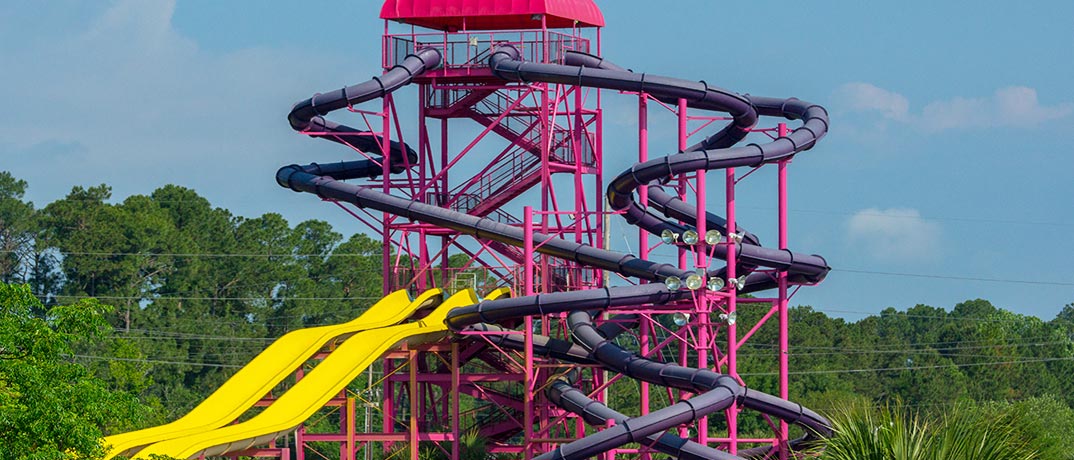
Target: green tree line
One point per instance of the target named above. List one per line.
(197, 291)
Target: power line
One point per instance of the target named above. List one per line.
(161, 334)
(1026, 341)
(202, 254)
(912, 368)
(268, 255)
(668, 257)
(958, 346)
(919, 217)
(157, 361)
(236, 287)
(955, 277)
(757, 208)
(155, 298)
(940, 352)
(883, 314)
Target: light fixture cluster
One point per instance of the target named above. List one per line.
(697, 280)
(691, 237)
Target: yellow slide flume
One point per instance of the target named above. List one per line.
(268, 369)
(326, 380)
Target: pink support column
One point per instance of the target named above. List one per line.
(343, 446)
(415, 448)
(423, 261)
(683, 133)
(704, 325)
(598, 154)
(348, 443)
(732, 340)
(527, 416)
(684, 346)
(300, 433)
(388, 405)
(441, 196)
(784, 320)
(423, 242)
(643, 156)
(643, 236)
(455, 399)
(385, 146)
(546, 123)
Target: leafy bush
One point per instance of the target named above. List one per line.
(51, 408)
(892, 432)
(1046, 422)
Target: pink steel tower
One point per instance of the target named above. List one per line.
(528, 154)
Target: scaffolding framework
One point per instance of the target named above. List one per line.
(527, 155)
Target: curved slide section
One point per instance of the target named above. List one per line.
(311, 392)
(561, 390)
(715, 391)
(267, 370)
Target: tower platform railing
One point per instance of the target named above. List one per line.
(463, 50)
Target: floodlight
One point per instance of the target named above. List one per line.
(713, 237)
(694, 282)
(669, 237)
(680, 319)
(737, 283)
(690, 237)
(673, 283)
(715, 283)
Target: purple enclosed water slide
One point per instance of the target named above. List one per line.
(718, 151)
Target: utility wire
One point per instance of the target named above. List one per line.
(911, 368)
(957, 344)
(203, 254)
(917, 217)
(756, 208)
(155, 298)
(668, 257)
(157, 361)
(845, 270)
(236, 287)
(955, 277)
(842, 351)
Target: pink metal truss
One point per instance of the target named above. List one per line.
(553, 157)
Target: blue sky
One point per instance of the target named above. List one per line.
(950, 150)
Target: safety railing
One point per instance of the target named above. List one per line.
(471, 49)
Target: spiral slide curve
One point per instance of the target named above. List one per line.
(715, 392)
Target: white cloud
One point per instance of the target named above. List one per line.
(1016, 106)
(1010, 106)
(124, 98)
(863, 97)
(894, 235)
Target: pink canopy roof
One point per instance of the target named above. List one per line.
(493, 14)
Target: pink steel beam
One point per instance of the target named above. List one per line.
(732, 345)
(528, 412)
(784, 320)
(643, 236)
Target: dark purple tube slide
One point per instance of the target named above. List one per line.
(715, 391)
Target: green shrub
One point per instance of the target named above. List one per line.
(893, 432)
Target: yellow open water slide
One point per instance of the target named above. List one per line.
(318, 386)
(268, 369)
